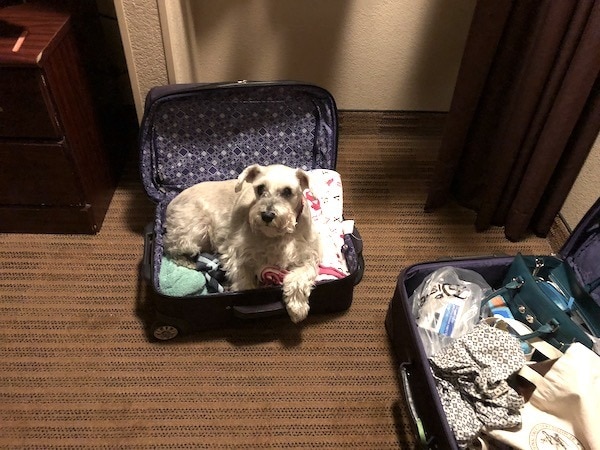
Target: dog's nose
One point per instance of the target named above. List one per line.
(267, 216)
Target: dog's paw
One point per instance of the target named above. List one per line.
(296, 291)
(297, 310)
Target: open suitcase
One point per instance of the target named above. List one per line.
(580, 252)
(204, 132)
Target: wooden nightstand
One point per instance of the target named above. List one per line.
(55, 174)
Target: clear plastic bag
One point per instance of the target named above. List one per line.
(446, 305)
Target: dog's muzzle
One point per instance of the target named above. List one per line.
(273, 224)
(267, 216)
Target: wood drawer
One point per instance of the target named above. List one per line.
(38, 174)
(26, 109)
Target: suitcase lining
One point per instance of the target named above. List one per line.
(188, 141)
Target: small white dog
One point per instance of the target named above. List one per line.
(259, 220)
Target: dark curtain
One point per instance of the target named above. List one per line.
(524, 115)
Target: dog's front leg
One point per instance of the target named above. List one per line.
(242, 278)
(297, 285)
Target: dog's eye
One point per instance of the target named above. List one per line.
(260, 189)
(286, 192)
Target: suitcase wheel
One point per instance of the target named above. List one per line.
(164, 332)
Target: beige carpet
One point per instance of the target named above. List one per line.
(77, 369)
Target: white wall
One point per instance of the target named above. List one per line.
(371, 54)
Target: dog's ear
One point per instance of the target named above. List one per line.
(303, 179)
(249, 174)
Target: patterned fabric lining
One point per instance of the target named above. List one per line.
(216, 133)
(584, 264)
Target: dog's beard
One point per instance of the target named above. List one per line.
(280, 226)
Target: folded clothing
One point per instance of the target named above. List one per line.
(273, 276)
(326, 201)
(179, 281)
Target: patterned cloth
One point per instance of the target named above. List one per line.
(326, 202)
(471, 376)
(210, 266)
(272, 276)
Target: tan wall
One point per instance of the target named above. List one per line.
(140, 28)
(586, 189)
(371, 54)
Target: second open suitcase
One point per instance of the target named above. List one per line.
(581, 252)
(205, 132)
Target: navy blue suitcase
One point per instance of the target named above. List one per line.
(417, 383)
(205, 132)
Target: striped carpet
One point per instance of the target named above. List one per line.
(78, 371)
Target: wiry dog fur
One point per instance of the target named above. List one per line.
(256, 221)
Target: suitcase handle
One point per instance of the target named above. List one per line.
(259, 311)
(148, 247)
(357, 244)
(404, 377)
